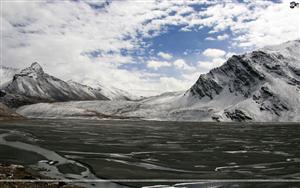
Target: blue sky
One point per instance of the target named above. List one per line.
(186, 45)
(146, 47)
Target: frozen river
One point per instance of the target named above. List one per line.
(146, 153)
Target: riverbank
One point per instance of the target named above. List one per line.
(11, 172)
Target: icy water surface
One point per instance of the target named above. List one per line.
(156, 153)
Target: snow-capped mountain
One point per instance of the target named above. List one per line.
(32, 85)
(108, 91)
(263, 85)
(6, 75)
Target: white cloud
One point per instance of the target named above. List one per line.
(165, 55)
(181, 64)
(210, 38)
(170, 83)
(253, 23)
(272, 25)
(211, 52)
(206, 66)
(158, 64)
(219, 37)
(60, 34)
(223, 37)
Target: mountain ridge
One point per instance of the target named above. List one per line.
(255, 76)
(262, 85)
(32, 85)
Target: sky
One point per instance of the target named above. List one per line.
(145, 47)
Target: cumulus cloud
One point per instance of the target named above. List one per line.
(210, 38)
(165, 55)
(170, 83)
(181, 64)
(223, 37)
(158, 64)
(272, 25)
(73, 39)
(206, 66)
(253, 23)
(211, 52)
(219, 37)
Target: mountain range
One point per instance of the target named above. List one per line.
(262, 85)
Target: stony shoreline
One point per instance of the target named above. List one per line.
(18, 172)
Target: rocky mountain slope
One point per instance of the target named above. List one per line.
(32, 85)
(263, 85)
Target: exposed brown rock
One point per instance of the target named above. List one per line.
(8, 114)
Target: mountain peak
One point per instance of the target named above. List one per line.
(36, 67)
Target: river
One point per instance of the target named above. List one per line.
(147, 153)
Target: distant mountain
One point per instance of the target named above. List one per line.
(263, 85)
(6, 75)
(108, 91)
(32, 85)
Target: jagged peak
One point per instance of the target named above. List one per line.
(36, 67)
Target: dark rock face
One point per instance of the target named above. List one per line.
(238, 115)
(238, 74)
(268, 100)
(206, 87)
(17, 100)
(243, 74)
(33, 85)
(295, 70)
(243, 77)
(2, 93)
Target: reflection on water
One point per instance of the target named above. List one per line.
(170, 150)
